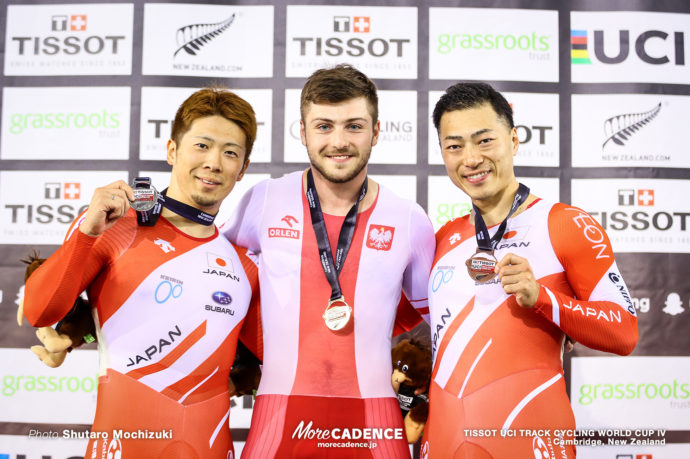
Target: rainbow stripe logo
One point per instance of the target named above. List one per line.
(578, 47)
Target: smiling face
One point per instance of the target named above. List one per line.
(339, 138)
(478, 149)
(207, 162)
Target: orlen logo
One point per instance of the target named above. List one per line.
(356, 46)
(674, 44)
(57, 190)
(68, 35)
(640, 220)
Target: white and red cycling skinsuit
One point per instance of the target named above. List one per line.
(498, 366)
(310, 373)
(168, 309)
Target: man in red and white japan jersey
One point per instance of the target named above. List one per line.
(497, 342)
(320, 384)
(169, 300)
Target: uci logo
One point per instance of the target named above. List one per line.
(166, 290)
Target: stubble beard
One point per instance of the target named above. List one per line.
(204, 201)
(333, 178)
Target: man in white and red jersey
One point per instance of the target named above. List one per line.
(169, 296)
(509, 281)
(335, 251)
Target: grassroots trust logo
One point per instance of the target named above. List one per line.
(345, 437)
(674, 391)
(449, 42)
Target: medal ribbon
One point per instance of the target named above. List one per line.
(484, 241)
(332, 268)
(149, 218)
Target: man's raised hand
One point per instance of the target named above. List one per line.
(108, 204)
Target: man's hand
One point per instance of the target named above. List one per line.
(107, 205)
(517, 279)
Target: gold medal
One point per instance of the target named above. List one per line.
(481, 266)
(337, 314)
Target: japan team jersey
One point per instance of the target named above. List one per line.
(498, 366)
(168, 309)
(310, 373)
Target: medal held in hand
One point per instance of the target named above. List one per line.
(480, 266)
(338, 313)
(145, 195)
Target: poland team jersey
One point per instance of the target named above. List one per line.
(310, 373)
(498, 365)
(168, 309)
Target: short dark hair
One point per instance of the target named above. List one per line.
(338, 84)
(462, 96)
(216, 100)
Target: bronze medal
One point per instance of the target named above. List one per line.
(480, 266)
(337, 314)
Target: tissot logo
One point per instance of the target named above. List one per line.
(319, 36)
(635, 197)
(639, 215)
(74, 23)
(41, 214)
(673, 45)
(536, 134)
(357, 24)
(57, 190)
(83, 39)
(70, 44)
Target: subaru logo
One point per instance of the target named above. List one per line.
(222, 298)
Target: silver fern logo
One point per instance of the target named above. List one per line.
(191, 38)
(618, 129)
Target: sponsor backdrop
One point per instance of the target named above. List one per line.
(601, 94)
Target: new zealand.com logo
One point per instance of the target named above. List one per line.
(191, 38)
(618, 129)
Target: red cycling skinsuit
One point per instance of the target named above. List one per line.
(311, 374)
(498, 366)
(168, 309)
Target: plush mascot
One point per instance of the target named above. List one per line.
(74, 330)
(78, 327)
(411, 377)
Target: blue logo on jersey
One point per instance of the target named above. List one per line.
(166, 290)
(442, 276)
(222, 298)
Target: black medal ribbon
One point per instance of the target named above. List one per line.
(484, 241)
(331, 267)
(150, 217)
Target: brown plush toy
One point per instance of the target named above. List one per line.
(411, 377)
(74, 330)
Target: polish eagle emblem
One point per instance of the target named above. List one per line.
(380, 237)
